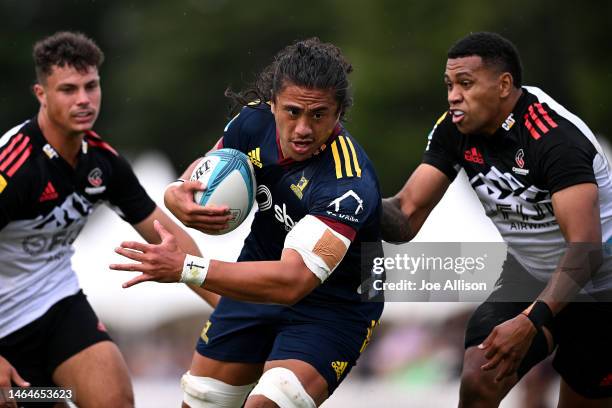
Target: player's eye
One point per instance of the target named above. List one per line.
(91, 85)
(318, 115)
(466, 83)
(293, 112)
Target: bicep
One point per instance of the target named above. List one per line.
(422, 192)
(577, 212)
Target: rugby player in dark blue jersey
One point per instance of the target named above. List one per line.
(290, 316)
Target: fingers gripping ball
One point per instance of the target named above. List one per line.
(230, 180)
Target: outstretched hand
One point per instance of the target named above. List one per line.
(208, 219)
(507, 345)
(9, 376)
(161, 262)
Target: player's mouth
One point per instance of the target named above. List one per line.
(84, 116)
(301, 146)
(457, 115)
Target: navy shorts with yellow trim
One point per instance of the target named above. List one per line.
(250, 333)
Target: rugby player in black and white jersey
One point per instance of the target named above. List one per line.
(545, 183)
(54, 170)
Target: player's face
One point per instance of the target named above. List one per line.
(474, 92)
(305, 118)
(70, 99)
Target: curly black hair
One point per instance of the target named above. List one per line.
(309, 63)
(494, 50)
(65, 48)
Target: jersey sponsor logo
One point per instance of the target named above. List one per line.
(255, 157)
(474, 156)
(50, 151)
(298, 189)
(349, 158)
(264, 201)
(509, 122)
(337, 205)
(519, 158)
(280, 213)
(263, 196)
(3, 183)
(538, 121)
(48, 194)
(339, 367)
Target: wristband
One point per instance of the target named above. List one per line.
(541, 315)
(194, 270)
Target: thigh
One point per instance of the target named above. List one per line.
(330, 349)
(233, 373)
(584, 359)
(98, 375)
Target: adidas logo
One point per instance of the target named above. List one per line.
(48, 194)
(474, 156)
(339, 367)
(255, 158)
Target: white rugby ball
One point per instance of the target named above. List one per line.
(230, 180)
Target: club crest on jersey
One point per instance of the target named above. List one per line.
(519, 158)
(95, 179)
(509, 122)
(337, 206)
(298, 188)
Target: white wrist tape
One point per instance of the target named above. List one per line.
(195, 270)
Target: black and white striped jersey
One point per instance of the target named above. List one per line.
(541, 148)
(44, 204)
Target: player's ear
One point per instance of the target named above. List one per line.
(40, 94)
(506, 83)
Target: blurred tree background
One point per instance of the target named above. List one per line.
(168, 63)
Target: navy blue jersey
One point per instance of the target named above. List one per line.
(337, 185)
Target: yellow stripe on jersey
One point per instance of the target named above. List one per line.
(354, 154)
(347, 160)
(3, 183)
(336, 159)
(441, 118)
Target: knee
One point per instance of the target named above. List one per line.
(477, 388)
(282, 388)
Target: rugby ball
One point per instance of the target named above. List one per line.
(230, 180)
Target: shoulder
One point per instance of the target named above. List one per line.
(251, 118)
(95, 141)
(548, 124)
(17, 152)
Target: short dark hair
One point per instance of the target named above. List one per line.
(65, 48)
(494, 50)
(309, 63)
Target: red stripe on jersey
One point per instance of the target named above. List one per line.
(16, 152)
(544, 114)
(534, 133)
(341, 228)
(537, 120)
(103, 145)
(219, 144)
(19, 162)
(10, 147)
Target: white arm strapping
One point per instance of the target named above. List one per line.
(321, 247)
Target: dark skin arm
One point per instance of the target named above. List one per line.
(405, 213)
(577, 212)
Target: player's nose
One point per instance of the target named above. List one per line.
(303, 128)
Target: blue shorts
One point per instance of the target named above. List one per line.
(254, 333)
